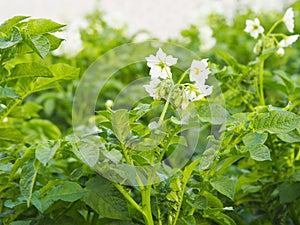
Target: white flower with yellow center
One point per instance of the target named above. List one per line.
(253, 27)
(288, 19)
(160, 64)
(199, 71)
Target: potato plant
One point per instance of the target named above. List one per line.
(159, 134)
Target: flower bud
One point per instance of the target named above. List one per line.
(280, 52)
(109, 104)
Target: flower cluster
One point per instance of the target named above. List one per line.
(254, 28)
(162, 84)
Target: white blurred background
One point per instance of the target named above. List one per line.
(163, 18)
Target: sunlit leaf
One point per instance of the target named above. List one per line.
(224, 185)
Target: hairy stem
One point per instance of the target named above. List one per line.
(146, 202)
(185, 180)
(261, 81)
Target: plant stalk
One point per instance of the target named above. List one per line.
(261, 81)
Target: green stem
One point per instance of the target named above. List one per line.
(191, 212)
(158, 212)
(243, 98)
(261, 81)
(274, 26)
(183, 76)
(146, 202)
(129, 198)
(163, 114)
(256, 87)
(190, 168)
(125, 153)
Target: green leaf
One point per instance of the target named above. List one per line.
(41, 26)
(42, 129)
(21, 222)
(212, 200)
(259, 152)
(114, 155)
(64, 71)
(249, 188)
(188, 170)
(291, 137)
(189, 220)
(28, 177)
(224, 185)
(276, 121)
(67, 191)
(173, 197)
(253, 139)
(46, 150)
(121, 126)
(6, 93)
(218, 217)
(212, 113)
(54, 41)
(64, 190)
(178, 140)
(107, 221)
(105, 199)
(15, 38)
(87, 152)
(26, 111)
(207, 158)
(10, 134)
(230, 60)
(39, 44)
(200, 202)
(30, 70)
(255, 144)
(27, 156)
(288, 192)
(61, 72)
(288, 82)
(8, 24)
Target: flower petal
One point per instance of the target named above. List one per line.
(161, 55)
(152, 61)
(170, 60)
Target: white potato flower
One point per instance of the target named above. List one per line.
(160, 64)
(152, 87)
(195, 93)
(285, 42)
(288, 19)
(204, 89)
(199, 71)
(253, 27)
